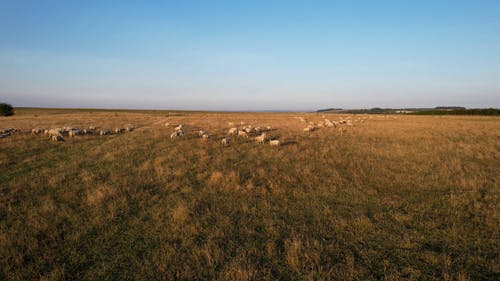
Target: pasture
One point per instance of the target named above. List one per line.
(389, 198)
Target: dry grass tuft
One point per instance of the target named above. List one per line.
(100, 194)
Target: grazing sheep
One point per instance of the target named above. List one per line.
(73, 133)
(261, 139)
(258, 130)
(119, 130)
(242, 134)
(226, 141)
(57, 138)
(205, 136)
(275, 142)
(54, 132)
(269, 128)
(179, 128)
(130, 128)
(167, 124)
(176, 134)
(233, 131)
(202, 132)
(329, 123)
(37, 131)
(248, 129)
(9, 130)
(309, 129)
(89, 131)
(105, 132)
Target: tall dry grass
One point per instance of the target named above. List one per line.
(394, 198)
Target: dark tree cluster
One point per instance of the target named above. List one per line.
(6, 109)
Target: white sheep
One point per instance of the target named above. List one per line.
(233, 131)
(119, 130)
(89, 131)
(202, 132)
(205, 136)
(105, 132)
(226, 141)
(242, 134)
(176, 134)
(54, 132)
(57, 138)
(73, 133)
(275, 142)
(262, 138)
(179, 128)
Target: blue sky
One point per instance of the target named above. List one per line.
(249, 55)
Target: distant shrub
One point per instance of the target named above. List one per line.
(6, 109)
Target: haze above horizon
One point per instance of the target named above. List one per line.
(257, 55)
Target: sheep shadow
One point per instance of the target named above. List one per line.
(289, 142)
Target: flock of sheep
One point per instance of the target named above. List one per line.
(326, 123)
(7, 132)
(258, 134)
(58, 134)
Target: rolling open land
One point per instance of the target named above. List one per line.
(392, 197)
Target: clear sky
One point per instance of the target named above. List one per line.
(250, 55)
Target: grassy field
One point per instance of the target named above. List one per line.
(392, 198)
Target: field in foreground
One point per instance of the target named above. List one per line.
(393, 198)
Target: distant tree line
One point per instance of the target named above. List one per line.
(470, 111)
(6, 109)
(439, 110)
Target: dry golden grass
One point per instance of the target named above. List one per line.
(392, 197)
